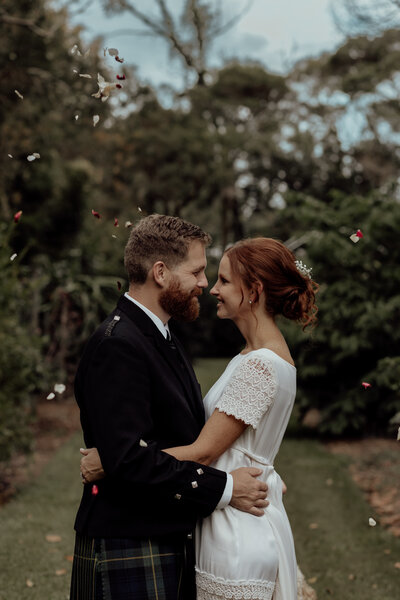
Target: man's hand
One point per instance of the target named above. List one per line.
(91, 467)
(249, 493)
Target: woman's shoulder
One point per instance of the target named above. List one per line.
(267, 355)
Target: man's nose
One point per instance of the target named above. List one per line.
(203, 282)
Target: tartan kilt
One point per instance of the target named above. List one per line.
(129, 569)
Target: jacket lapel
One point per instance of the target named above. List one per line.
(150, 330)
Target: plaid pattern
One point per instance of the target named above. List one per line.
(127, 569)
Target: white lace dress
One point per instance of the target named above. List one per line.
(239, 556)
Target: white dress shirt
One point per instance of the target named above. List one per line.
(164, 329)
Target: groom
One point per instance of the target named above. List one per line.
(138, 394)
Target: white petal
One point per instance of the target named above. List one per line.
(398, 435)
(371, 522)
(96, 119)
(13, 257)
(51, 396)
(36, 154)
(143, 444)
(76, 117)
(354, 238)
(59, 388)
(19, 94)
(31, 157)
(85, 75)
(10, 156)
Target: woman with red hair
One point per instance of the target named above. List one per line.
(247, 410)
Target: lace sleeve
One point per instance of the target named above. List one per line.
(250, 392)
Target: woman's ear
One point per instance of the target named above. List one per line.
(256, 291)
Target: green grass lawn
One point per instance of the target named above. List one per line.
(348, 559)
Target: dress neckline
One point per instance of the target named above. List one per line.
(269, 350)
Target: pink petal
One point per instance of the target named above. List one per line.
(359, 233)
(17, 216)
(366, 385)
(116, 222)
(121, 77)
(96, 214)
(95, 490)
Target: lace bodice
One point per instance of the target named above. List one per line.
(250, 391)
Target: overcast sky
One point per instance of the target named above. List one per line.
(275, 32)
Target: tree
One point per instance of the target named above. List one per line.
(199, 25)
(366, 16)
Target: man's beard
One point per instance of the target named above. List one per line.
(182, 306)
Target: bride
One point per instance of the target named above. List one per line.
(238, 556)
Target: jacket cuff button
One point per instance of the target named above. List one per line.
(200, 471)
(177, 496)
(195, 484)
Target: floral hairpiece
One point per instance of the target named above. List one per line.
(303, 269)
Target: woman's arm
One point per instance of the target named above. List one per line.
(217, 435)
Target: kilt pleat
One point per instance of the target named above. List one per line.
(127, 569)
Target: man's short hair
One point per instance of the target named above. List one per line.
(159, 237)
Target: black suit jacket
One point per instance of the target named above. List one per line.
(136, 396)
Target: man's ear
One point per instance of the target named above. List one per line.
(160, 273)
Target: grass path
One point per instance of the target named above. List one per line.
(344, 557)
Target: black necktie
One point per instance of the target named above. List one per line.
(170, 341)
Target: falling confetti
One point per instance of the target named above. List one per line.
(17, 216)
(96, 214)
(355, 237)
(86, 75)
(366, 385)
(59, 388)
(75, 50)
(33, 156)
(19, 94)
(13, 256)
(371, 522)
(50, 396)
(105, 88)
(96, 119)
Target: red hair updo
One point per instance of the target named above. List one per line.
(288, 292)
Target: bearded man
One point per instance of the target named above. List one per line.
(138, 394)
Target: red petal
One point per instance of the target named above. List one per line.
(96, 214)
(118, 59)
(118, 85)
(116, 222)
(119, 285)
(17, 216)
(359, 233)
(95, 490)
(366, 385)
(121, 77)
